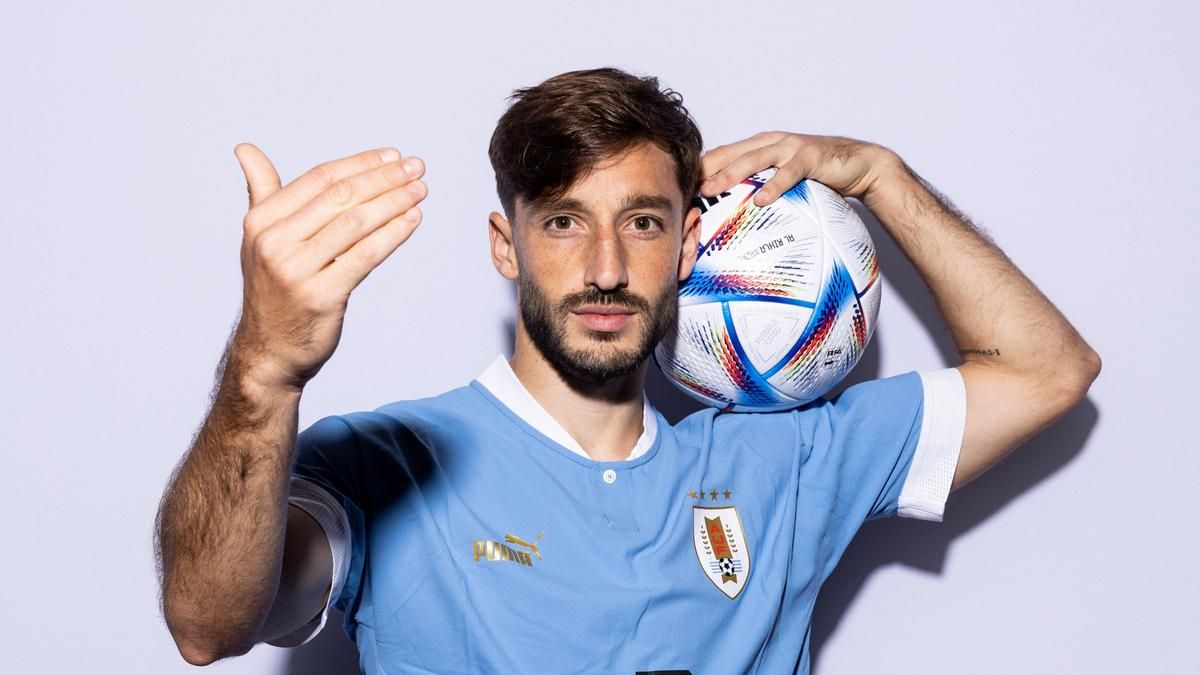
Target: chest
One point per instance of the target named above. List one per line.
(520, 556)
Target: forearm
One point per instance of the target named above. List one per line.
(995, 314)
(222, 521)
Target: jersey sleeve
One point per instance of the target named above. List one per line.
(887, 446)
(326, 484)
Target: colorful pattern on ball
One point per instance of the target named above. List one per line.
(722, 273)
(782, 301)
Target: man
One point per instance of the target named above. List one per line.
(544, 517)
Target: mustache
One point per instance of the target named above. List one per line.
(618, 298)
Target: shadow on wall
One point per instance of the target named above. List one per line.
(880, 543)
(923, 545)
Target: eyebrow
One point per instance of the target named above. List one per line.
(633, 201)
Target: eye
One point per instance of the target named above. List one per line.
(649, 223)
(560, 223)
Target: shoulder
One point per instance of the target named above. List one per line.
(780, 435)
(395, 424)
(770, 435)
(861, 406)
(441, 420)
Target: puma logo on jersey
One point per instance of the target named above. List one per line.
(493, 550)
(514, 539)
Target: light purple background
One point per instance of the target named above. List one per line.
(1068, 130)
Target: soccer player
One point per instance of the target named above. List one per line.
(544, 517)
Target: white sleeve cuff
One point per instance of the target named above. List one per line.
(943, 418)
(329, 514)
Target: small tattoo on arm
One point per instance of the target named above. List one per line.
(981, 352)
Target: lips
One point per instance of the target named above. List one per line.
(604, 318)
(601, 309)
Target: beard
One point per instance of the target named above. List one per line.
(603, 359)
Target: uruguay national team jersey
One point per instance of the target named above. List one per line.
(467, 539)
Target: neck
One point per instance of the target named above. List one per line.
(605, 419)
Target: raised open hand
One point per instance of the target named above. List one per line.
(306, 246)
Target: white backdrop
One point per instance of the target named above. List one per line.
(1068, 130)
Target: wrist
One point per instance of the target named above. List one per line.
(258, 376)
(264, 381)
(892, 181)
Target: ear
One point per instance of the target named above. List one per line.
(504, 249)
(691, 242)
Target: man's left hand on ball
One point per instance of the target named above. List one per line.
(850, 166)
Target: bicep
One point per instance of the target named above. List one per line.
(1004, 409)
(305, 579)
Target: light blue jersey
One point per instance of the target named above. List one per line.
(467, 539)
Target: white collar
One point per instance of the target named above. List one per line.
(500, 379)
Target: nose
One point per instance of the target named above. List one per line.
(606, 269)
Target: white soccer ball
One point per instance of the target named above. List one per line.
(781, 304)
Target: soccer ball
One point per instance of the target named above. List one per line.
(781, 303)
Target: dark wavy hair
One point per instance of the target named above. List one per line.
(557, 131)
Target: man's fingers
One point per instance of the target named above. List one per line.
(785, 178)
(718, 158)
(348, 270)
(353, 226)
(740, 168)
(350, 198)
(262, 180)
(285, 201)
(721, 156)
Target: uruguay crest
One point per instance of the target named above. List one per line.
(721, 547)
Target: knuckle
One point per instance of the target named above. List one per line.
(288, 272)
(366, 253)
(350, 221)
(340, 193)
(323, 174)
(266, 245)
(252, 222)
(809, 152)
(357, 256)
(392, 174)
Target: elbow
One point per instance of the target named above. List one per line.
(199, 642)
(195, 654)
(1094, 362)
(1089, 371)
(202, 653)
(1074, 383)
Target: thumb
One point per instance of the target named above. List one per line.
(262, 180)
